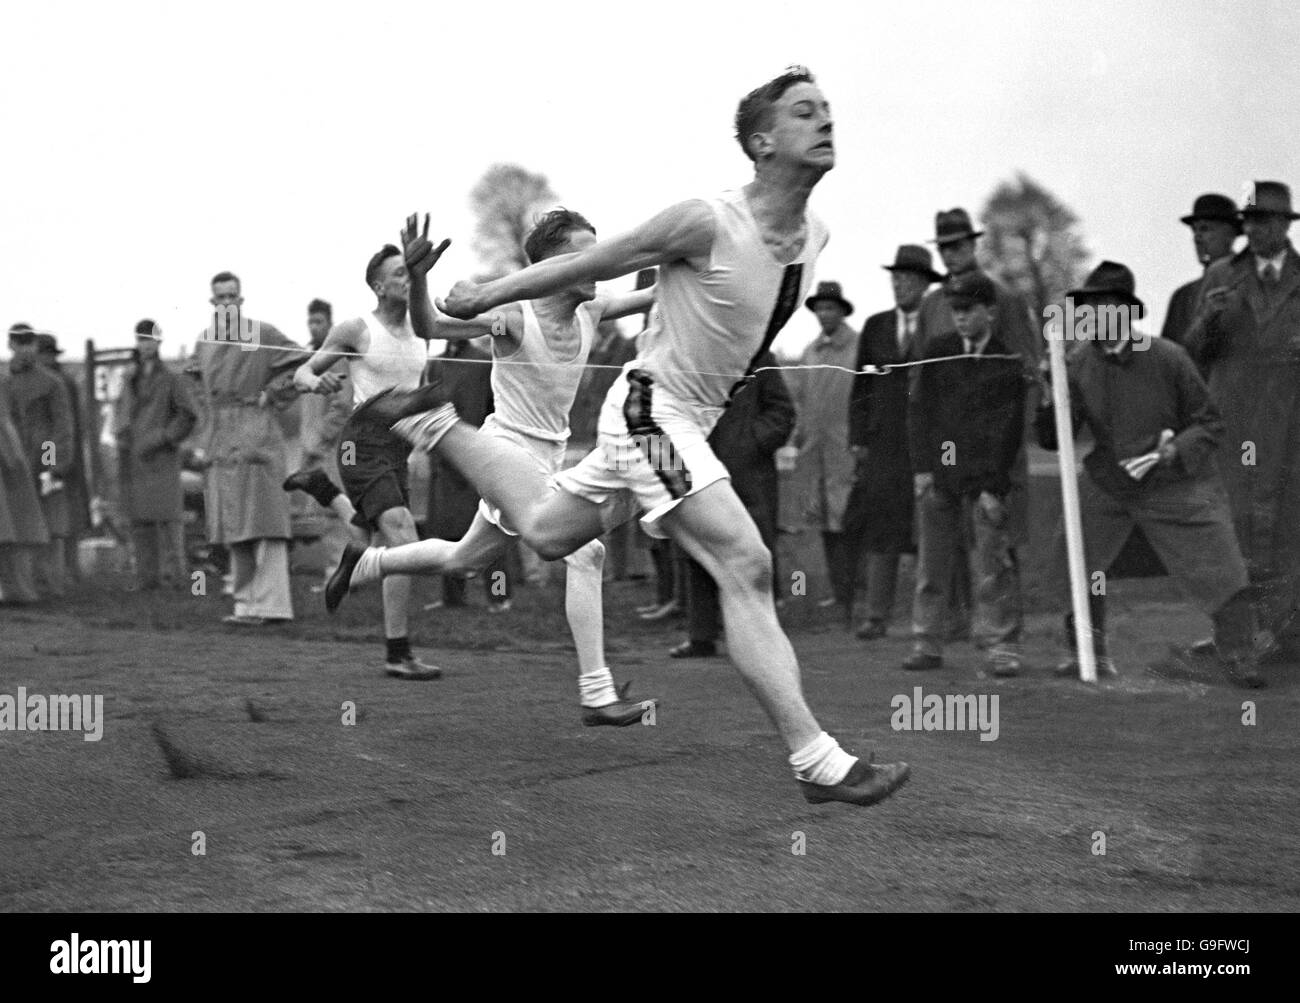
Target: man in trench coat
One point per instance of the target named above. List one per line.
(245, 365)
(1247, 337)
(154, 416)
(22, 526)
(42, 412)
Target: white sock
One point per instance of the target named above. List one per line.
(822, 761)
(597, 687)
(369, 567)
(425, 429)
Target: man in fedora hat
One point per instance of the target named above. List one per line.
(1215, 225)
(822, 434)
(955, 237)
(42, 412)
(966, 424)
(48, 352)
(1246, 335)
(879, 515)
(1155, 428)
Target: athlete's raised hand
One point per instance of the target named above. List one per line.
(462, 302)
(418, 250)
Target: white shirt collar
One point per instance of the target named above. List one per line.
(1277, 261)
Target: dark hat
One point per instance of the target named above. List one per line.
(829, 291)
(146, 329)
(22, 333)
(914, 258)
(970, 287)
(1110, 278)
(1270, 198)
(49, 344)
(952, 226)
(1213, 206)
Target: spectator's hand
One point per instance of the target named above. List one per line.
(1167, 450)
(993, 507)
(417, 249)
(922, 483)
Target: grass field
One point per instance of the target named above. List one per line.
(239, 735)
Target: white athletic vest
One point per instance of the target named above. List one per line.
(711, 326)
(390, 361)
(534, 388)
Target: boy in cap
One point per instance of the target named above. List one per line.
(966, 427)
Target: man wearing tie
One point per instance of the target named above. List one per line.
(1247, 337)
(879, 514)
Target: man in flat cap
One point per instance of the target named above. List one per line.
(966, 426)
(75, 483)
(955, 237)
(1247, 336)
(1215, 225)
(42, 412)
(822, 434)
(1155, 429)
(879, 517)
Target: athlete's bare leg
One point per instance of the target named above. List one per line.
(475, 550)
(396, 527)
(553, 523)
(715, 529)
(583, 604)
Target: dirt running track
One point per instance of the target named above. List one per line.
(240, 736)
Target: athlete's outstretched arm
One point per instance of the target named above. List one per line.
(627, 304)
(420, 256)
(682, 231)
(311, 376)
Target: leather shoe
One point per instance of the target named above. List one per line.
(865, 784)
(694, 649)
(618, 714)
(1243, 672)
(314, 482)
(870, 631)
(918, 661)
(337, 587)
(411, 667)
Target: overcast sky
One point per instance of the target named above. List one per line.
(149, 145)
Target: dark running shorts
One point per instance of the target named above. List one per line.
(376, 479)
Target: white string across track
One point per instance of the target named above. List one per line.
(864, 371)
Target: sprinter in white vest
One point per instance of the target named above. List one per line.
(539, 352)
(732, 270)
(384, 353)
